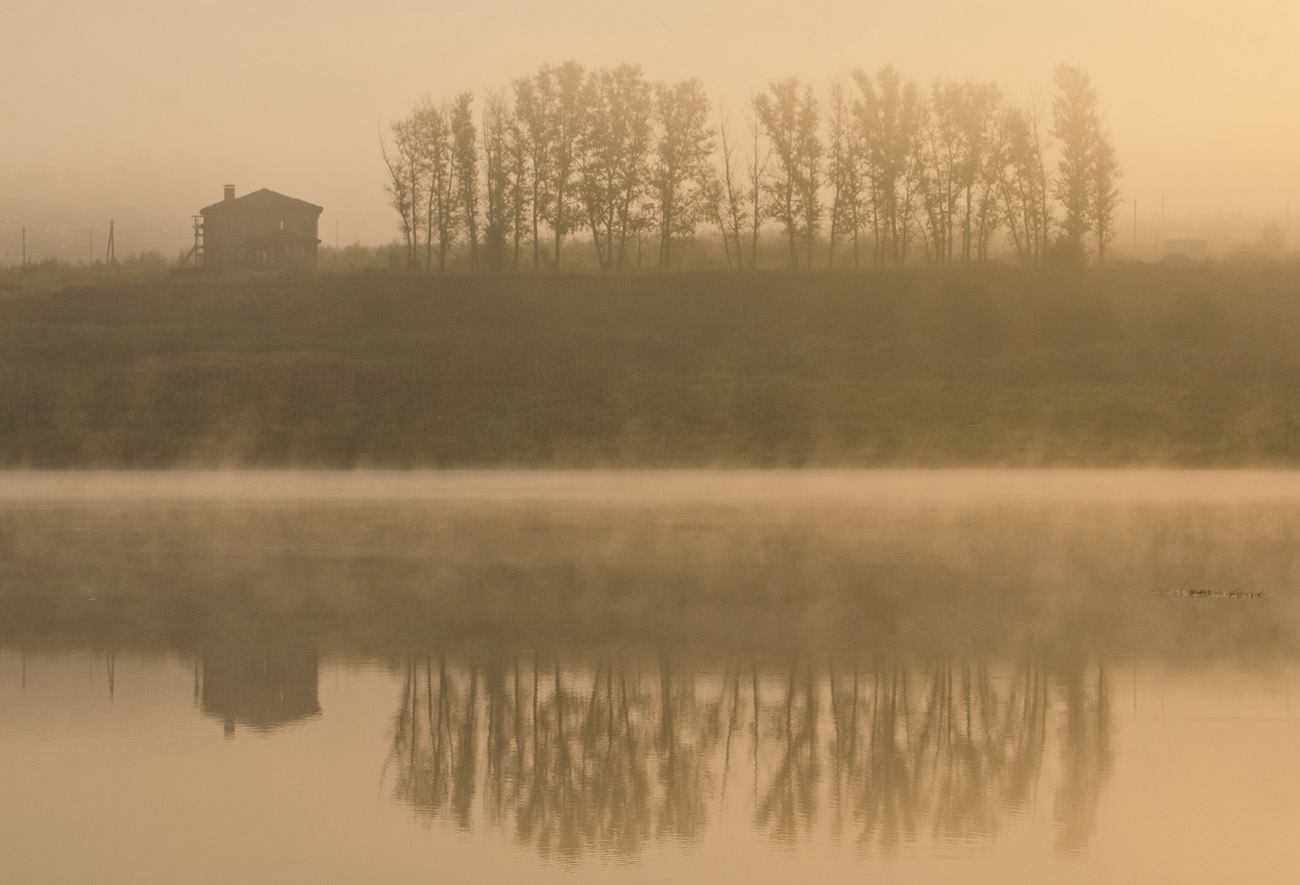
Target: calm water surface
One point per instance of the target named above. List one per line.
(974, 676)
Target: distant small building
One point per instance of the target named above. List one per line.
(261, 229)
(1196, 250)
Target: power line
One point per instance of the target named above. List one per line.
(67, 233)
(143, 230)
(81, 230)
(33, 244)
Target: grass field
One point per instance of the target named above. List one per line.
(1185, 366)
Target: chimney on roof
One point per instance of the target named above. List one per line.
(230, 192)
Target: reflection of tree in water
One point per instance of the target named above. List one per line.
(872, 763)
(688, 733)
(609, 756)
(258, 688)
(1087, 759)
(962, 747)
(577, 759)
(434, 740)
(786, 804)
(948, 750)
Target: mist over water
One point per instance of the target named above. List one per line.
(911, 559)
(649, 675)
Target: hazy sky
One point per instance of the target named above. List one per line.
(140, 110)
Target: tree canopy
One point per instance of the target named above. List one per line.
(878, 172)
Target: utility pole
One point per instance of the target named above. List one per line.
(90, 258)
(24, 245)
(1135, 229)
(110, 257)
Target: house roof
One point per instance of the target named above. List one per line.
(261, 199)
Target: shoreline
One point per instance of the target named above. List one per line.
(648, 485)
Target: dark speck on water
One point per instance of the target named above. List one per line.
(1206, 593)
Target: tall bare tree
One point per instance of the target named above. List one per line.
(402, 164)
(613, 150)
(497, 217)
(1075, 124)
(531, 155)
(810, 183)
(431, 130)
(1022, 182)
(1105, 174)
(419, 186)
(945, 154)
(728, 196)
(788, 113)
(841, 170)
(680, 168)
(562, 87)
(755, 175)
(465, 164)
(891, 117)
(519, 190)
(976, 109)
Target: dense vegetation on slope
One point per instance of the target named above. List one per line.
(1133, 365)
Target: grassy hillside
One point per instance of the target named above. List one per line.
(1136, 365)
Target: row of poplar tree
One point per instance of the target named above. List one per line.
(876, 173)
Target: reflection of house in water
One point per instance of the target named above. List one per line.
(261, 689)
